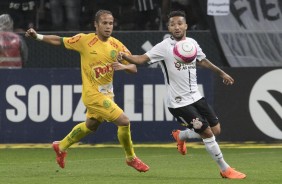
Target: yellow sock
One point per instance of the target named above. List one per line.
(77, 133)
(124, 137)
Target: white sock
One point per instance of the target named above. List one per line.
(188, 134)
(213, 149)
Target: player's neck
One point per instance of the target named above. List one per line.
(102, 38)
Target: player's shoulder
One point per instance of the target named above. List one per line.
(169, 40)
(78, 39)
(191, 39)
(87, 35)
(166, 42)
(74, 38)
(115, 42)
(113, 39)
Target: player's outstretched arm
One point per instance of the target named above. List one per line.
(134, 59)
(51, 39)
(130, 68)
(227, 79)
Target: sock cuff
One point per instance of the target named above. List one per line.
(208, 140)
(127, 126)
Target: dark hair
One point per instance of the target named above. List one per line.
(101, 12)
(177, 13)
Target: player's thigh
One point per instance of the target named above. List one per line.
(103, 108)
(185, 116)
(207, 112)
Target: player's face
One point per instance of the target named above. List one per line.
(177, 27)
(104, 27)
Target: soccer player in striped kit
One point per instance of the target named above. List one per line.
(183, 98)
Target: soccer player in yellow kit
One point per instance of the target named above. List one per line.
(98, 53)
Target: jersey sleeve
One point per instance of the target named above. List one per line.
(74, 42)
(157, 53)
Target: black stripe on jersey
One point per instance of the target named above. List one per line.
(166, 73)
(190, 80)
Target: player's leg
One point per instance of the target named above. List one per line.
(200, 110)
(213, 149)
(207, 111)
(77, 133)
(202, 127)
(184, 116)
(124, 137)
(190, 114)
(216, 129)
(207, 134)
(111, 112)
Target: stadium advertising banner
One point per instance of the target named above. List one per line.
(251, 109)
(250, 35)
(42, 105)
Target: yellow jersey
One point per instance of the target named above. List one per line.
(96, 59)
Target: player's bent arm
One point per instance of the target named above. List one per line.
(205, 63)
(136, 59)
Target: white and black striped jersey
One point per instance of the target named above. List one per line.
(180, 78)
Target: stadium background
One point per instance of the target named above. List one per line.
(250, 110)
(134, 40)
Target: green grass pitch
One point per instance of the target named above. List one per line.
(106, 165)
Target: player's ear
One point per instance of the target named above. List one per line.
(95, 24)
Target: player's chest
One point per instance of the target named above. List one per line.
(102, 52)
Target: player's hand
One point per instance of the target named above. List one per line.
(197, 124)
(227, 79)
(118, 66)
(120, 56)
(31, 33)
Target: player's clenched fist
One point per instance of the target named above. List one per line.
(31, 33)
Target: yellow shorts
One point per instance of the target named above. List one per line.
(102, 108)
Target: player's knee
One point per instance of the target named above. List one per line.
(92, 124)
(216, 129)
(216, 132)
(122, 120)
(207, 133)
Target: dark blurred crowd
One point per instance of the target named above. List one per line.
(77, 15)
